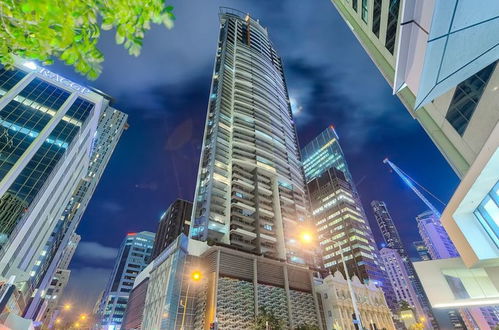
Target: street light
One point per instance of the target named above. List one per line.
(349, 283)
(66, 307)
(306, 237)
(83, 317)
(195, 277)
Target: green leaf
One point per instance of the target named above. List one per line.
(68, 29)
(26, 8)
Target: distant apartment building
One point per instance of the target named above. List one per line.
(401, 282)
(340, 221)
(434, 236)
(441, 60)
(47, 128)
(393, 242)
(134, 255)
(336, 305)
(50, 306)
(173, 222)
(422, 250)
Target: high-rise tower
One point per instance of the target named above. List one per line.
(387, 227)
(338, 214)
(250, 203)
(250, 191)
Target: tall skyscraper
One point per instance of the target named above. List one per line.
(173, 222)
(47, 125)
(387, 227)
(456, 105)
(110, 127)
(338, 214)
(250, 192)
(435, 237)
(422, 250)
(250, 204)
(133, 256)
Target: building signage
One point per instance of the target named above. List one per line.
(66, 82)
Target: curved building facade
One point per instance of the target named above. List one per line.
(250, 192)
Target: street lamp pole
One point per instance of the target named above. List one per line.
(352, 294)
(195, 277)
(185, 305)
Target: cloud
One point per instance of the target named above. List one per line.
(111, 207)
(85, 285)
(93, 251)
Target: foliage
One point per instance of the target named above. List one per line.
(404, 306)
(70, 29)
(265, 318)
(307, 327)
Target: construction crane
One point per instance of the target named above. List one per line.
(412, 184)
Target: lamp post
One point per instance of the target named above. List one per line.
(195, 277)
(350, 289)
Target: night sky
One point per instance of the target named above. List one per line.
(165, 91)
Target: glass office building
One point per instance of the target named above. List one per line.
(338, 214)
(111, 126)
(47, 124)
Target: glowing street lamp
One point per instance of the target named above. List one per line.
(307, 237)
(195, 277)
(66, 307)
(83, 317)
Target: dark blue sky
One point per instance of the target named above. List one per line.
(165, 91)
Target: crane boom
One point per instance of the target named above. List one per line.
(409, 182)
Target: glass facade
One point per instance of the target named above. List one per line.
(364, 13)
(22, 120)
(392, 24)
(338, 214)
(322, 153)
(26, 122)
(24, 117)
(488, 214)
(376, 17)
(466, 98)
